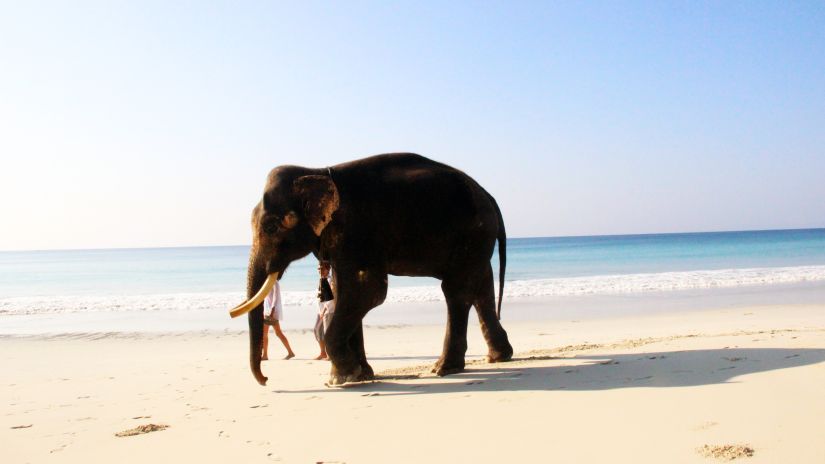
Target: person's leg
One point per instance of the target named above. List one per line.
(277, 326)
(265, 344)
(327, 317)
(319, 337)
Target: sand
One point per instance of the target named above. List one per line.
(699, 386)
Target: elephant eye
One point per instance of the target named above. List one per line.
(271, 224)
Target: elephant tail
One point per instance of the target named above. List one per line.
(502, 255)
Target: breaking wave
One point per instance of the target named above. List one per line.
(514, 290)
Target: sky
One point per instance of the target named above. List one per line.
(142, 124)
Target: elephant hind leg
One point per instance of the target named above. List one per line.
(498, 346)
(459, 300)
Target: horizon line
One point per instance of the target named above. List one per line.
(528, 237)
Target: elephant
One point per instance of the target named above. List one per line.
(397, 213)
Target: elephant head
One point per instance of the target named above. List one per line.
(297, 205)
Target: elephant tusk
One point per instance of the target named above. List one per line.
(251, 303)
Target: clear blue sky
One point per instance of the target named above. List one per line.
(155, 123)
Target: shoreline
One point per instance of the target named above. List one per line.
(523, 309)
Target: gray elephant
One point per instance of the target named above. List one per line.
(399, 214)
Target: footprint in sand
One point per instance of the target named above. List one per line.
(705, 426)
(141, 429)
(726, 452)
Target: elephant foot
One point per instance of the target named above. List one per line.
(359, 374)
(495, 356)
(443, 367)
(367, 372)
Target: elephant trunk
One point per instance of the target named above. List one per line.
(254, 282)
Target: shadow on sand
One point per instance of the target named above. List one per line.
(592, 372)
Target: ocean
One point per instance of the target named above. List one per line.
(193, 287)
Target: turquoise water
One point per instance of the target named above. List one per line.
(223, 269)
(191, 289)
(631, 254)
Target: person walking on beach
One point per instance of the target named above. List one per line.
(274, 306)
(326, 307)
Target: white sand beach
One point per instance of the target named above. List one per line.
(634, 188)
(649, 388)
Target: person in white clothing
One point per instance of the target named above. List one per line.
(326, 306)
(273, 315)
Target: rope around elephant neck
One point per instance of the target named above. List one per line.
(321, 252)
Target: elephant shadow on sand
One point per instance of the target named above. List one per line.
(593, 372)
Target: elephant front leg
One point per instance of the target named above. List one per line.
(345, 363)
(345, 338)
(357, 346)
(455, 340)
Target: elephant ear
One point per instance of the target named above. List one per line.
(319, 199)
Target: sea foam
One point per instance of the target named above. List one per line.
(514, 290)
